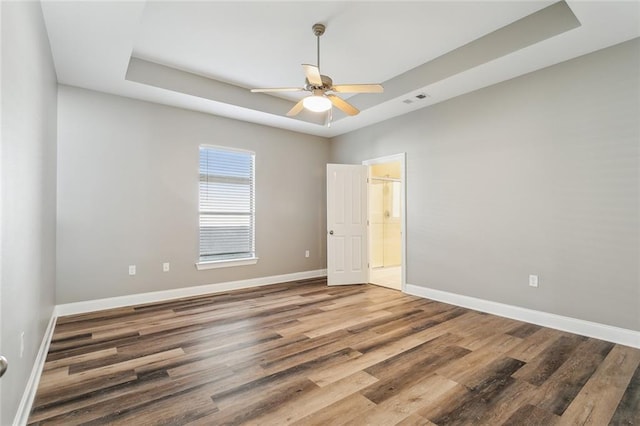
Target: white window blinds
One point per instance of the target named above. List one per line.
(227, 213)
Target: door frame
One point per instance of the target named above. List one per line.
(402, 158)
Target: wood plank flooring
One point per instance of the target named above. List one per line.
(304, 353)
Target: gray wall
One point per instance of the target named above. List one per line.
(128, 194)
(28, 194)
(536, 175)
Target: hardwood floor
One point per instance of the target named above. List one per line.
(305, 353)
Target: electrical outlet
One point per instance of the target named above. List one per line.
(132, 269)
(306, 253)
(533, 280)
(165, 267)
(21, 344)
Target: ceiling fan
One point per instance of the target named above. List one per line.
(319, 85)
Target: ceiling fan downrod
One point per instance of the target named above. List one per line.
(318, 30)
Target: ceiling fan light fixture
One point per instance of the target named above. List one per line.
(317, 103)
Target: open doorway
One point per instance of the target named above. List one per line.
(386, 213)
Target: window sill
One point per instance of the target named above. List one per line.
(226, 263)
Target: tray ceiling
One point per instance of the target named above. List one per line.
(205, 56)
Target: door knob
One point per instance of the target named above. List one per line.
(3, 365)
(331, 232)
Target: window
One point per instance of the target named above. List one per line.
(227, 208)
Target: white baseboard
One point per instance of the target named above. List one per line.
(158, 296)
(609, 333)
(22, 415)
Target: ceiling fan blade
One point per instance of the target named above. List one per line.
(358, 88)
(296, 109)
(278, 89)
(343, 105)
(313, 74)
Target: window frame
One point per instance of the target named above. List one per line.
(224, 263)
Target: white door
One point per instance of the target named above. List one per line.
(347, 224)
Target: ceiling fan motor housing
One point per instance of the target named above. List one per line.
(327, 84)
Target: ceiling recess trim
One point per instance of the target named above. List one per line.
(535, 28)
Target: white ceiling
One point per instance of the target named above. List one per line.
(205, 55)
